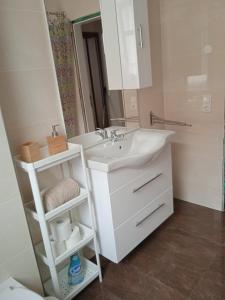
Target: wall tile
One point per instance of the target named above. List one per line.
(34, 5)
(23, 268)
(188, 107)
(132, 124)
(180, 10)
(23, 41)
(198, 193)
(15, 236)
(24, 46)
(151, 99)
(195, 166)
(32, 108)
(194, 66)
(82, 7)
(130, 103)
(8, 186)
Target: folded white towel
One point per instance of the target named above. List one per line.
(64, 191)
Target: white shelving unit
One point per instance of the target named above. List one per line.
(57, 285)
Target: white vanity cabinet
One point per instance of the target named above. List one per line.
(126, 39)
(131, 203)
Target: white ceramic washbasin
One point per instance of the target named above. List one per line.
(91, 139)
(137, 148)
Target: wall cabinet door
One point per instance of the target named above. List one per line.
(127, 43)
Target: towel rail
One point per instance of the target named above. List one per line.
(154, 119)
(129, 119)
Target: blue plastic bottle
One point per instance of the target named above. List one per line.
(75, 271)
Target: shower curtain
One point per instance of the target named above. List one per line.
(62, 46)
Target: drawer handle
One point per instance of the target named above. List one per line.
(148, 216)
(141, 43)
(143, 185)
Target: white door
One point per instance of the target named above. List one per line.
(83, 71)
(111, 44)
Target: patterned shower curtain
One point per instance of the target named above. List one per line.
(60, 33)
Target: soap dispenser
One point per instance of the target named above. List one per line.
(56, 143)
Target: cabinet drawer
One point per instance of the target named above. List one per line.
(135, 230)
(127, 201)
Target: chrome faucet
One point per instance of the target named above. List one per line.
(115, 137)
(102, 133)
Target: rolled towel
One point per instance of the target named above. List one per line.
(64, 191)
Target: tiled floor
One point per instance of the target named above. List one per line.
(183, 259)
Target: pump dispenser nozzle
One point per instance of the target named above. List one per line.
(54, 131)
(56, 143)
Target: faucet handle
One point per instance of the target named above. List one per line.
(115, 136)
(114, 132)
(102, 132)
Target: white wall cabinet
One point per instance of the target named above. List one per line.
(127, 43)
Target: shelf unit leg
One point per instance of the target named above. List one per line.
(92, 213)
(97, 258)
(44, 230)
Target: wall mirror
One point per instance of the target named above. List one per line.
(77, 47)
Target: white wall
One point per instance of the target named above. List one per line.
(28, 87)
(179, 31)
(30, 104)
(189, 28)
(53, 5)
(16, 253)
(74, 8)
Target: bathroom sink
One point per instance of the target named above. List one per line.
(136, 149)
(87, 140)
(91, 139)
